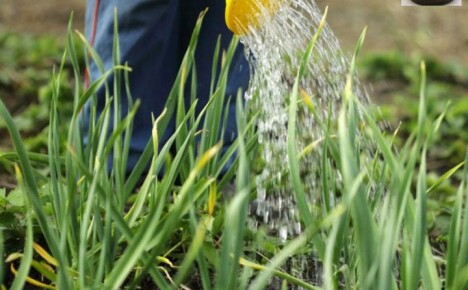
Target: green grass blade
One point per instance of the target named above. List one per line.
(298, 187)
(422, 106)
(26, 260)
(462, 279)
(429, 273)
(2, 262)
(33, 194)
(191, 255)
(289, 250)
(419, 231)
(214, 68)
(463, 252)
(365, 227)
(236, 213)
(84, 264)
(94, 87)
(232, 240)
(453, 241)
(119, 165)
(180, 113)
(73, 57)
(39, 158)
(445, 177)
(285, 276)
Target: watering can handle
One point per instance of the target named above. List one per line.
(242, 15)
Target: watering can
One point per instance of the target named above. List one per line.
(241, 15)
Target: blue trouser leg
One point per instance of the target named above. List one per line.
(154, 35)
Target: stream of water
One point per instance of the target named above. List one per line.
(275, 51)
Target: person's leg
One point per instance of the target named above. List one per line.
(148, 32)
(154, 35)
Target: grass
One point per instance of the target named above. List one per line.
(86, 226)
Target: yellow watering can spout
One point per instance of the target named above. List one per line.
(242, 15)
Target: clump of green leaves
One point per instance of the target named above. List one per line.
(94, 222)
(395, 77)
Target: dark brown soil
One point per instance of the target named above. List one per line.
(436, 31)
(41, 17)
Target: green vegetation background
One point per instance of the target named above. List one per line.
(26, 67)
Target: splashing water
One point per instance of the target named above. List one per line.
(275, 51)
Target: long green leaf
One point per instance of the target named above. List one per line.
(26, 260)
(292, 150)
(463, 252)
(419, 231)
(32, 192)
